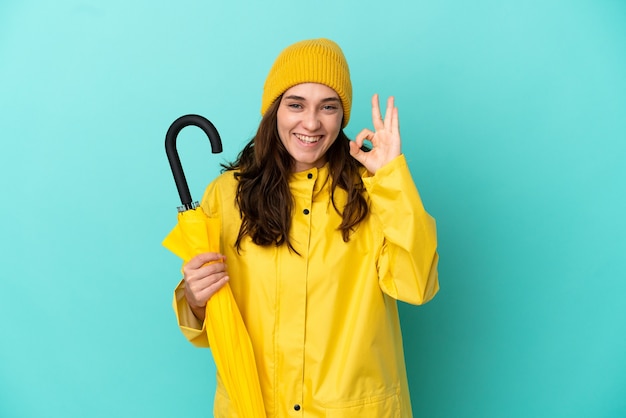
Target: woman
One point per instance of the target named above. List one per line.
(320, 237)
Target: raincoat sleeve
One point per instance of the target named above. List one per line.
(407, 259)
(191, 327)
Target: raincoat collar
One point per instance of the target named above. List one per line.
(309, 182)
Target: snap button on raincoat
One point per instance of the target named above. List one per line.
(324, 324)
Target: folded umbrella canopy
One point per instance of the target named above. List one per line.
(196, 233)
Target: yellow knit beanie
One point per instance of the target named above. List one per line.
(311, 61)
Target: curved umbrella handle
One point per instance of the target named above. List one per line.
(172, 153)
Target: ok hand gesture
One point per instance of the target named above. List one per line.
(385, 139)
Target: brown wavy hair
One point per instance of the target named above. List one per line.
(263, 196)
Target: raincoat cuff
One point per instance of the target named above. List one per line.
(397, 164)
(191, 327)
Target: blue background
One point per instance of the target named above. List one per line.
(513, 118)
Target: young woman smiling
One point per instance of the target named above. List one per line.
(320, 238)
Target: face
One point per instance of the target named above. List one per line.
(309, 120)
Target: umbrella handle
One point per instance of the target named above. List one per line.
(172, 154)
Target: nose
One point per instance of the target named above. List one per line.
(311, 120)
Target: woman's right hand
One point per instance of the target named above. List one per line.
(204, 275)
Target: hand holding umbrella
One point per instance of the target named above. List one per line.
(204, 275)
(197, 234)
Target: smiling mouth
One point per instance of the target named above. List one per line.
(308, 139)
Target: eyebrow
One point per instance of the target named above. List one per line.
(328, 99)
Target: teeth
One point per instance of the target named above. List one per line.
(308, 139)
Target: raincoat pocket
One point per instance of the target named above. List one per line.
(383, 406)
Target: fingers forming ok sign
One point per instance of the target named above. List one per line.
(385, 138)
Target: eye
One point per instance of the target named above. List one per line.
(330, 107)
(295, 105)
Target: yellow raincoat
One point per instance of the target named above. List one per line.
(324, 324)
